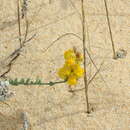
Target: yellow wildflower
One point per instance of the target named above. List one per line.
(64, 72)
(69, 54)
(70, 62)
(71, 71)
(77, 70)
(72, 80)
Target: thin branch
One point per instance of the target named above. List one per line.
(29, 39)
(95, 65)
(10, 64)
(110, 31)
(27, 27)
(93, 77)
(19, 22)
(60, 37)
(84, 54)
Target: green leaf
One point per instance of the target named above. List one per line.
(15, 82)
(27, 81)
(21, 81)
(31, 83)
(36, 81)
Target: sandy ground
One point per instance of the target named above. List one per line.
(54, 108)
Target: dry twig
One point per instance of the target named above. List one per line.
(109, 26)
(84, 54)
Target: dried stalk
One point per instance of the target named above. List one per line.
(84, 55)
(19, 22)
(110, 31)
(90, 81)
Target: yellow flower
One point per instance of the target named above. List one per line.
(69, 54)
(71, 71)
(70, 62)
(64, 72)
(77, 70)
(72, 80)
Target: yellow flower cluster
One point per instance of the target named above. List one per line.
(71, 70)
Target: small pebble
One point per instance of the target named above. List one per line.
(121, 53)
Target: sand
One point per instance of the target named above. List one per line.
(53, 107)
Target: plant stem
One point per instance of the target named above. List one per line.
(109, 26)
(28, 81)
(19, 22)
(84, 54)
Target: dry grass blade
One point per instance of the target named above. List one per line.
(19, 22)
(26, 32)
(60, 37)
(95, 66)
(84, 55)
(13, 58)
(109, 26)
(93, 77)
